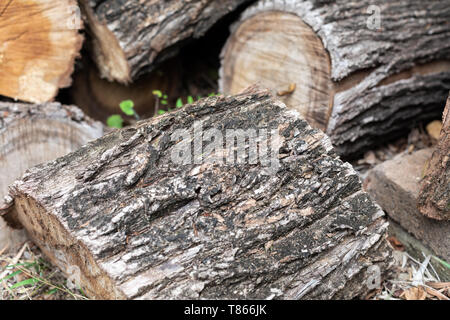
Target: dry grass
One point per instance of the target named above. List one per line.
(413, 280)
(26, 275)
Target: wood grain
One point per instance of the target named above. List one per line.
(275, 50)
(39, 42)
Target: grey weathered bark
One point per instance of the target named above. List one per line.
(434, 197)
(131, 37)
(39, 41)
(32, 134)
(140, 225)
(361, 83)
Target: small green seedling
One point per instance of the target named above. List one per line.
(160, 98)
(190, 100)
(179, 103)
(127, 107)
(115, 121)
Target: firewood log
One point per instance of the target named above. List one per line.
(130, 38)
(434, 197)
(173, 208)
(363, 71)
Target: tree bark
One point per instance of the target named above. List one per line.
(141, 223)
(360, 82)
(130, 38)
(32, 134)
(39, 42)
(434, 197)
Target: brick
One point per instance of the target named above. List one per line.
(395, 186)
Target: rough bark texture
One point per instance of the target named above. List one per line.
(131, 37)
(385, 79)
(139, 225)
(33, 134)
(434, 197)
(395, 185)
(39, 42)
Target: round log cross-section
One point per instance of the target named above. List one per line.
(34, 134)
(284, 54)
(39, 41)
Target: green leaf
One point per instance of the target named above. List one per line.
(165, 96)
(24, 264)
(52, 291)
(30, 281)
(127, 107)
(161, 112)
(12, 275)
(157, 93)
(179, 103)
(115, 121)
(190, 100)
(199, 97)
(164, 102)
(444, 263)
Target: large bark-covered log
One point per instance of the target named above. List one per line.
(141, 220)
(434, 197)
(359, 81)
(131, 37)
(39, 41)
(33, 134)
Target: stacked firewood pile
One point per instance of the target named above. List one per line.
(243, 194)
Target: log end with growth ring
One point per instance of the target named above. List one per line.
(283, 53)
(39, 41)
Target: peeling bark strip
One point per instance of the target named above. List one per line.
(39, 42)
(358, 82)
(33, 134)
(131, 37)
(141, 226)
(434, 197)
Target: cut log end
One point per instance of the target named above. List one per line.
(284, 54)
(107, 53)
(39, 42)
(33, 134)
(30, 135)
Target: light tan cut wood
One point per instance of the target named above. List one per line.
(280, 50)
(39, 41)
(33, 134)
